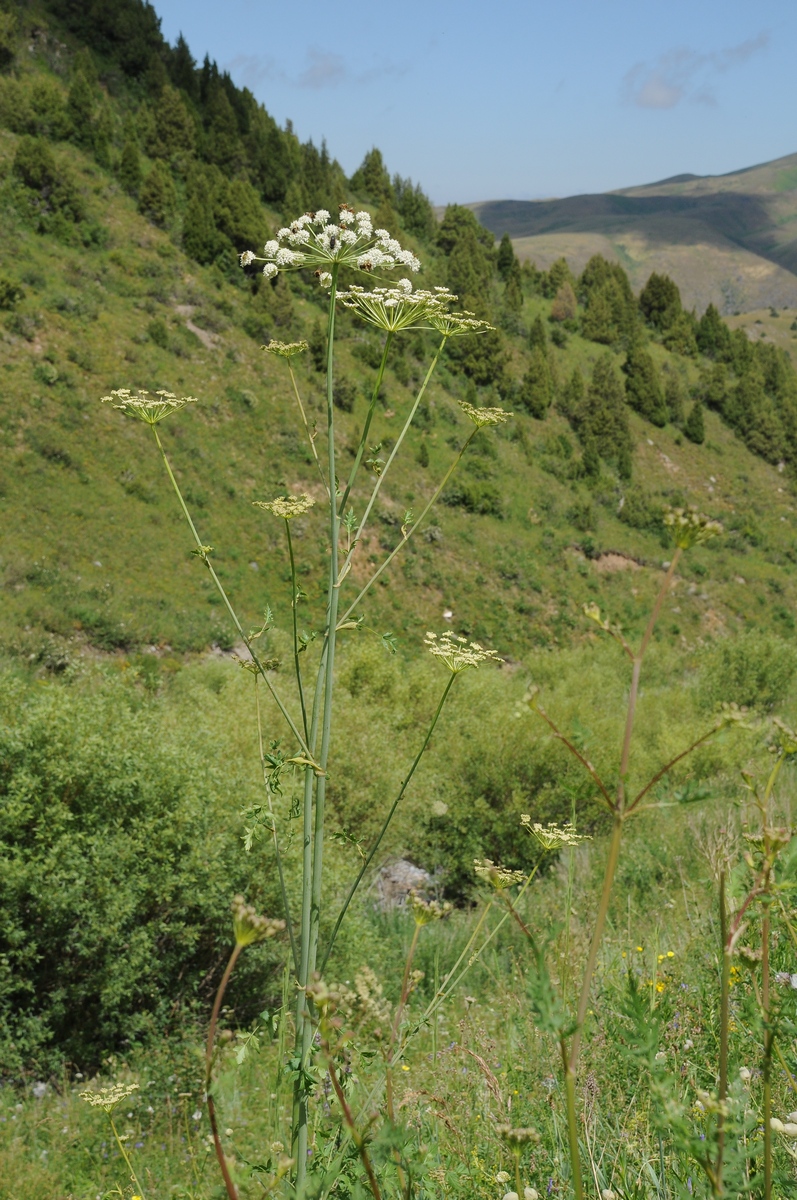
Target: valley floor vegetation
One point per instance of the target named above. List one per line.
(592, 990)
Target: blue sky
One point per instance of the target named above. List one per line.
(481, 101)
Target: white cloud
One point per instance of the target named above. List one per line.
(682, 74)
(323, 69)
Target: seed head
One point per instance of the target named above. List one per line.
(248, 926)
(287, 506)
(148, 409)
(516, 1138)
(688, 527)
(459, 324)
(457, 653)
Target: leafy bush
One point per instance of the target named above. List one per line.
(753, 669)
(116, 869)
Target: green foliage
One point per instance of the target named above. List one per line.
(611, 308)
(10, 293)
(415, 209)
(80, 110)
(538, 337)
(51, 193)
(674, 395)
(642, 386)
(130, 168)
(536, 390)
(173, 131)
(753, 668)
(694, 429)
(8, 48)
(372, 178)
(601, 417)
(505, 258)
(660, 301)
(158, 197)
(117, 871)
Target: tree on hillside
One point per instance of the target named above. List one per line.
(642, 386)
(372, 179)
(694, 429)
(558, 274)
(538, 337)
(158, 197)
(505, 258)
(712, 386)
(182, 69)
(572, 395)
(222, 142)
(564, 306)
(660, 302)
(80, 111)
(674, 395)
(751, 412)
(130, 168)
(513, 292)
(174, 131)
(713, 335)
(536, 390)
(611, 308)
(681, 336)
(415, 208)
(602, 418)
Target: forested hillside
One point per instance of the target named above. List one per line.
(132, 177)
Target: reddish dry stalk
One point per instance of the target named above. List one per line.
(214, 1017)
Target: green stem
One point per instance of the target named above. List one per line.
(369, 857)
(413, 527)
(394, 452)
(277, 853)
(310, 437)
(214, 1017)
(229, 607)
(368, 419)
(572, 1123)
(768, 1044)
(314, 877)
(126, 1157)
(724, 1031)
(294, 603)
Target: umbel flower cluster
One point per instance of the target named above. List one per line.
(457, 653)
(552, 836)
(149, 409)
(109, 1097)
(314, 242)
(398, 307)
(249, 926)
(688, 527)
(287, 506)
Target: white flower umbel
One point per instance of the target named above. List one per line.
(148, 409)
(459, 324)
(482, 417)
(552, 836)
(285, 349)
(399, 307)
(457, 652)
(688, 527)
(314, 242)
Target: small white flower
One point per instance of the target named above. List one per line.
(607, 1194)
(197, 1115)
(776, 1126)
(247, 257)
(271, 247)
(745, 1074)
(689, 1045)
(346, 216)
(530, 1194)
(511, 1196)
(792, 1116)
(269, 270)
(321, 217)
(790, 1129)
(502, 1177)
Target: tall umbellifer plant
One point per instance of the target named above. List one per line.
(335, 253)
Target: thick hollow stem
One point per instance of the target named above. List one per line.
(214, 1017)
(220, 588)
(369, 416)
(369, 857)
(411, 530)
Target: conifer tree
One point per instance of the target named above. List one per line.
(680, 337)
(174, 132)
(538, 336)
(674, 397)
(660, 302)
(372, 178)
(505, 259)
(158, 197)
(423, 454)
(536, 391)
(642, 387)
(564, 303)
(713, 335)
(513, 292)
(694, 429)
(590, 459)
(597, 323)
(130, 168)
(80, 110)
(222, 140)
(200, 239)
(572, 394)
(602, 416)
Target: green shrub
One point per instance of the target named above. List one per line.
(753, 669)
(118, 860)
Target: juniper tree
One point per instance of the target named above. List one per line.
(538, 336)
(602, 416)
(536, 391)
(674, 397)
(694, 429)
(505, 259)
(642, 386)
(660, 302)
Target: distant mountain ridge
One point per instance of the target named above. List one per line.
(727, 239)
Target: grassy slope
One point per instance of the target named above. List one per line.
(82, 486)
(729, 239)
